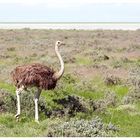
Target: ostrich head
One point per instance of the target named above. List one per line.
(59, 43)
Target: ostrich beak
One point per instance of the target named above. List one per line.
(63, 43)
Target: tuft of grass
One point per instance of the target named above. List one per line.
(8, 87)
(129, 124)
(120, 90)
(7, 120)
(24, 128)
(91, 95)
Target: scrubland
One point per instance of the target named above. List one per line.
(98, 95)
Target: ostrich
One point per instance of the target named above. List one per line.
(36, 75)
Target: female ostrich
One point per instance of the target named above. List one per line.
(36, 75)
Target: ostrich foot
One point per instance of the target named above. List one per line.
(17, 117)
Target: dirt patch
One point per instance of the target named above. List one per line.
(129, 55)
(132, 55)
(119, 72)
(87, 72)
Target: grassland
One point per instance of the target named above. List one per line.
(101, 83)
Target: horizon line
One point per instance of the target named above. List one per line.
(45, 22)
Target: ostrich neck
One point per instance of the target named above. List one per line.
(57, 75)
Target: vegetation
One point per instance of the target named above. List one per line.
(98, 94)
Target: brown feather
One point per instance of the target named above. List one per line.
(34, 75)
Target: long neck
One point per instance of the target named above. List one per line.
(57, 75)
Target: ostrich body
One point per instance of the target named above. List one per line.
(36, 75)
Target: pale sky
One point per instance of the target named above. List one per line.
(69, 10)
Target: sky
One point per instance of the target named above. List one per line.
(69, 10)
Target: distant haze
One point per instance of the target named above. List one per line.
(84, 26)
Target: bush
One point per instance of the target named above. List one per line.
(11, 49)
(84, 86)
(117, 64)
(134, 79)
(72, 105)
(112, 80)
(7, 102)
(110, 99)
(132, 96)
(81, 128)
(68, 79)
(100, 57)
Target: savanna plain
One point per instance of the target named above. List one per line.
(98, 95)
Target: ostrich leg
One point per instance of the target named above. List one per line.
(36, 104)
(18, 91)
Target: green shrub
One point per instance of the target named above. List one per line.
(100, 57)
(68, 79)
(72, 105)
(134, 77)
(11, 49)
(132, 96)
(81, 128)
(117, 64)
(7, 102)
(133, 81)
(110, 99)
